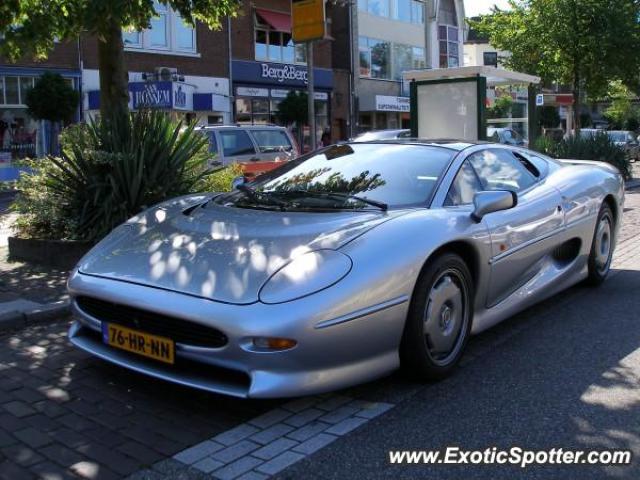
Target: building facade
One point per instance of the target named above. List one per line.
(20, 135)
(392, 36)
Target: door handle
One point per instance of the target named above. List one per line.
(559, 208)
(254, 159)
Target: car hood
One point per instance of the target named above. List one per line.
(218, 252)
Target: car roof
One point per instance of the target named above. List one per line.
(248, 127)
(450, 143)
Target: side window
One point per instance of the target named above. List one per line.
(236, 142)
(464, 186)
(271, 140)
(213, 143)
(500, 170)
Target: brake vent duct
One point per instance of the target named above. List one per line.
(567, 252)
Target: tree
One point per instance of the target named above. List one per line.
(294, 109)
(621, 113)
(52, 99)
(582, 43)
(30, 27)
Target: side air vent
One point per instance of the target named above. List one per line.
(568, 251)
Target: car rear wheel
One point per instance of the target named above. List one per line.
(602, 247)
(439, 320)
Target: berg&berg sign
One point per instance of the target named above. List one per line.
(284, 72)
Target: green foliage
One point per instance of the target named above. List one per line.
(108, 172)
(621, 113)
(294, 108)
(598, 147)
(52, 98)
(220, 180)
(501, 108)
(31, 26)
(582, 43)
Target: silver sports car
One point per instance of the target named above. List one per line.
(343, 265)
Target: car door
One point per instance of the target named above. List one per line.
(236, 146)
(523, 236)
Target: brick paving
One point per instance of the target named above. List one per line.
(270, 443)
(64, 414)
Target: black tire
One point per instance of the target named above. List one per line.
(418, 349)
(598, 268)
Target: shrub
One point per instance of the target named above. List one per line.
(108, 172)
(598, 147)
(219, 180)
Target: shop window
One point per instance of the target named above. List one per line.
(276, 46)
(236, 142)
(376, 55)
(448, 38)
(375, 58)
(167, 31)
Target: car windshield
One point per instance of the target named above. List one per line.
(348, 176)
(620, 136)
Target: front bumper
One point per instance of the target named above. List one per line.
(341, 354)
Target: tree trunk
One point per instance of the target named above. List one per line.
(114, 82)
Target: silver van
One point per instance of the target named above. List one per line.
(246, 144)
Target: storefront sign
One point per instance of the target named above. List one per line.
(284, 72)
(386, 103)
(281, 93)
(279, 74)
(252, 92)
(161, 95)
(150, 94)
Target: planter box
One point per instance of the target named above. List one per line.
(54, 253)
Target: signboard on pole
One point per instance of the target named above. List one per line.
(307, 20)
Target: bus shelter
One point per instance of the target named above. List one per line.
(472, 103)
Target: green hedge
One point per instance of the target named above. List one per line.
(598, 147)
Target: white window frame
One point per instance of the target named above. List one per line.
(3, 91)
(266, 28)
(172, 48)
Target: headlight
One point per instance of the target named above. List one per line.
(309, 273)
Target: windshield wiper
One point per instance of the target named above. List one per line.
(257, 196)
(374, 203)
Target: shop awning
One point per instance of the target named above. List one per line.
(278, 21)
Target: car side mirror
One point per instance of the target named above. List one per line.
(236, 182)
(494, 201)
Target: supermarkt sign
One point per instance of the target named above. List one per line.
(307, 20)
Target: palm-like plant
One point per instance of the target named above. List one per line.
(113, 169)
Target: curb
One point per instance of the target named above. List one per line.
(16, 319)
(631, 184)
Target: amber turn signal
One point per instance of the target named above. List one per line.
(269, 343)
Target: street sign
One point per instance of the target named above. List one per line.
(554, 99)
(539, 100)
(307, 20)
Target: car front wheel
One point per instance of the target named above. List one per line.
(602, 247)
(439, 320)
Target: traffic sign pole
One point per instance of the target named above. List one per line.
(311, 100)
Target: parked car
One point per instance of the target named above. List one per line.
(623, 138)
(383, 135)
(344, 264)
(627, 140)
(259, 148)
(507, 136)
